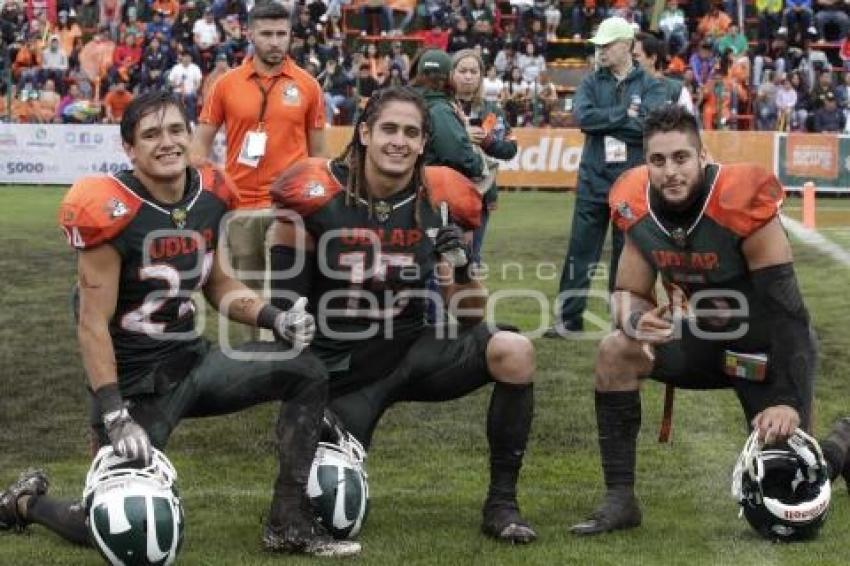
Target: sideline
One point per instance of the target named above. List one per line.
(816, 240)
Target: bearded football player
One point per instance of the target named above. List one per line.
(369, 228)
(735, 317)
(146, 240)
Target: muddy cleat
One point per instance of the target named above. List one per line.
(306, 536)
(502, 521)
(619, 510)
(836, 448)
(30, 482)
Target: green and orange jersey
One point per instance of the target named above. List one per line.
(372, 269)
(166, 254)
(706, 254)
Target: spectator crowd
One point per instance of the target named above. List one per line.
(787, 68)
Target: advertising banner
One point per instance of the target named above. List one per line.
(823, 159)
(58, 153)
(547, 157)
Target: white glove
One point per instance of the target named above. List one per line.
(129, 440)
(296, 325)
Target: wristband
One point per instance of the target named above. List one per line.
(267, 317)
(109, 398)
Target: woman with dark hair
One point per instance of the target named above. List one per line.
(515, 97)
(488, 130)
(651, 53)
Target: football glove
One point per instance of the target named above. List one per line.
(129, 440)
(452, 247)
(295, 326)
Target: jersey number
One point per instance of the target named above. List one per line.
(356, 262)
(139, 320)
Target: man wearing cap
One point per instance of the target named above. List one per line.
(609, 107)
(829, 118)
(448, 142)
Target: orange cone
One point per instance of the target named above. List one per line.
(809, 205)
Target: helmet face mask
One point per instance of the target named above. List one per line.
(784, 493)
(337, 486)
(133, 512)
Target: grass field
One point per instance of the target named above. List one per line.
(427, 465)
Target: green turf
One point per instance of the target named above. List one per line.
(427, 466)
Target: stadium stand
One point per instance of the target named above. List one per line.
(62, 58)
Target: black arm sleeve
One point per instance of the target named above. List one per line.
(286, 289)
(792, 348)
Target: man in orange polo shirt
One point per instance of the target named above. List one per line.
(273, 114)
(115, 102)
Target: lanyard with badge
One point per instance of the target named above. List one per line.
(254, 144)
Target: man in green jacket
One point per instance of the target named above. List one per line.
(609, 106)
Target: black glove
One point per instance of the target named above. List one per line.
(128, 439)
(451, 245)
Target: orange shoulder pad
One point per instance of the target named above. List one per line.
(219, 183)
(745, 198)
(627, 198)
(305, 187)
(96, 210)
(447, 185)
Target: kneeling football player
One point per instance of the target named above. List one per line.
(372, 225)
(736, 317)
(147, 240)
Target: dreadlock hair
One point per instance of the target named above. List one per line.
(354, 155)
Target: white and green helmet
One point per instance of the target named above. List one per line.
(133, 511)
(337, 486)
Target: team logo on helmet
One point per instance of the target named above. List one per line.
(133, 511)
(337, 485)
(784, 492)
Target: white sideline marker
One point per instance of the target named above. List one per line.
(816, 240)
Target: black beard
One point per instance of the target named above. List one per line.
(680, 214)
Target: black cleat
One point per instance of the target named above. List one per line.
(565, 329)
(31, 483)
(836, 445)
(502, 521)
(619, 510)
(305, 536)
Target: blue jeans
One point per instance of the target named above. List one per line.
(478, 233)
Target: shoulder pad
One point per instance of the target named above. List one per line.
(627, 198)
(96, 210)
(745, 198)
(446, 184)
(305, 187)
(219, 183)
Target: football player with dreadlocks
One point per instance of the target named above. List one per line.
(371, 226)
(736, 317)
